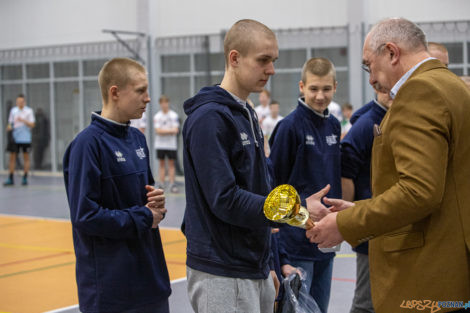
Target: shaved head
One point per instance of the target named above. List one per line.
(243, 35)
(439, 51)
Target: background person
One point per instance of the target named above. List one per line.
(262, 110)
(439, 51)
(114, 209)
(40, 137)
(20, 121)
(270, 123)
(356, 150)
(418, 218)
(166, 123)
(305, 153)
(346, 111)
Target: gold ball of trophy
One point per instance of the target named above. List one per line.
(283, 206)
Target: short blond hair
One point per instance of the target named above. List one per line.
(241, 37)
(163, 98)
(266, 92)
(117, 72)
(437, 46)
(318, 67)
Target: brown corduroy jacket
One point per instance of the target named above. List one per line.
(418, 220)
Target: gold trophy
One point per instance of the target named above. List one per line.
(283, 206)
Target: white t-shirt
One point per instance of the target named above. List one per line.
(166, 120)
(21, 132)
(335, 109)
(139, 122)
(262, 112)
(269, 123)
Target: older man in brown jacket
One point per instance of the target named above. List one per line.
(419, 217)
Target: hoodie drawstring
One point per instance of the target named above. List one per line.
(251, 124)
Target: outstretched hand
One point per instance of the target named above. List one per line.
(314, 206)
(337, 205)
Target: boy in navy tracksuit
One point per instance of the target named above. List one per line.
(114, 211)
(227, 181)
(356, 152)
(305, 153)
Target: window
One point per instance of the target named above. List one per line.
(291, 59)
(11, 72)
(175, 63)
(212, 62)
(93, 67)
(339, 56)
(40, 70)
(66, 69)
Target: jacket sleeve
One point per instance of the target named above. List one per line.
(208, 141)
(283, 143)
(355, 148)
(82, 175)
(418, 138)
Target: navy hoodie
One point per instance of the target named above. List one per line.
(120, 262)
(227, 182)
(305, 154)
(356, 152)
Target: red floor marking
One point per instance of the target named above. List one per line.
(349, 280)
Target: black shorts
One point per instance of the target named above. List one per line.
(26, 147)
(170, 154)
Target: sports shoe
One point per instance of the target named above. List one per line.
(8, 182)
(24, 181)
(174, 189)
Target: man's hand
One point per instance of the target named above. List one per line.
(314, 206)
(337, 205)
(325, 232)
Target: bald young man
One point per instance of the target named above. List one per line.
(418, 218)
(114, 209)
(226, 177)
(439, 51)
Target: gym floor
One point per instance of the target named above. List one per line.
(37, 261)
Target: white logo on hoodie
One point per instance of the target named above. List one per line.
(309, 140)
(331, 140)
(245, 140)
(140, 153)
(119, 156)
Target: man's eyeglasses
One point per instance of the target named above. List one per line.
(366, 67)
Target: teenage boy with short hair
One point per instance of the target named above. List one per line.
(305, 153)
(114, 210)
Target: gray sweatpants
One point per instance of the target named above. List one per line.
(362, 302)
(217, 294)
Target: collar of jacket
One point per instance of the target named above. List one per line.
(110, 126)
(311, 113)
